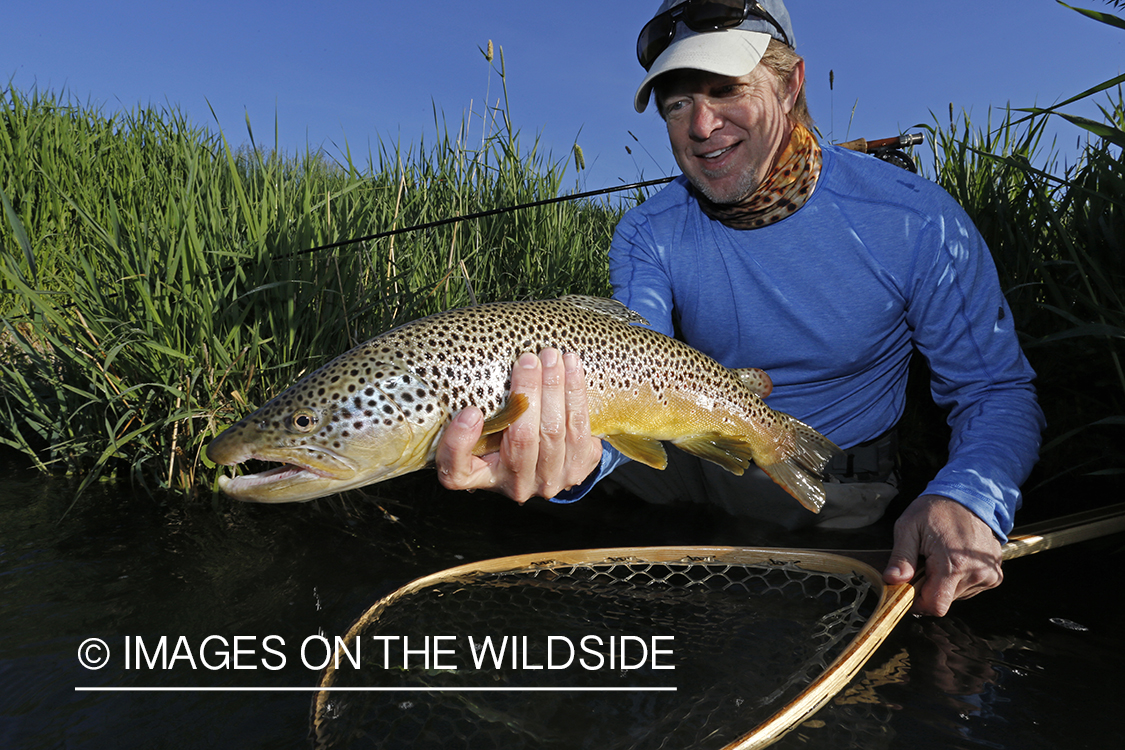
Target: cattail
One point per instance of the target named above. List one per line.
(579, 159)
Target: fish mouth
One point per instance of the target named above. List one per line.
(298, 477)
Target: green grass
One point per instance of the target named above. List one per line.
(1057, 235)
(153, 286)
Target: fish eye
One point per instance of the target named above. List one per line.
(302, 420)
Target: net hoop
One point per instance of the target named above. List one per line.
(893, 602)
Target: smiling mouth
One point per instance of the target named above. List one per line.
(716, 154)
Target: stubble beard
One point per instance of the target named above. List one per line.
(746, 184)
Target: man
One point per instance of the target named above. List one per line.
(823, 267)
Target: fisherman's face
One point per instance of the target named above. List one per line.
(726, 133)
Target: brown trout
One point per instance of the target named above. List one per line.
(377, 411)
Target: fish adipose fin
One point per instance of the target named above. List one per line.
(493, 430)
(757, 381)
(639, 448)
(800, 474)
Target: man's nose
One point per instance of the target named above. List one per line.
(705, 119)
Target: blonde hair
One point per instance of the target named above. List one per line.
(781, 60)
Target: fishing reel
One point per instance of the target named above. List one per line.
(890, 150)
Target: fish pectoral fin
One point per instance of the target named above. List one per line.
(502, 420)
(493, 430)
(642, 449)
(731, 453)
(488, 444)
(756, 380)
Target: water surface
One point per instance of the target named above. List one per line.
(1034, 664)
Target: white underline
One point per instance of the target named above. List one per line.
(370, 689)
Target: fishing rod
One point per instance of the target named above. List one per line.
(481, 215)
(887, 149)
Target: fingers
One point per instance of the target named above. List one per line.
(546, 450)
(961, 577)
(962, 556)
(515, 467)
(583, 451)
(550, 449)
(552, 446)
(458, 468)
(903, 563)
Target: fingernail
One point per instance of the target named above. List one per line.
(550, 357)
(570, 362)
(528, 361)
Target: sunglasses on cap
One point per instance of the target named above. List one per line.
(698, 15)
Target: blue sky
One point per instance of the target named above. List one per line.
(341, 71)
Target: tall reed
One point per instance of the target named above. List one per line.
(1057, 234)
(154, 287)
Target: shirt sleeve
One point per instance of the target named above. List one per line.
(963, 327)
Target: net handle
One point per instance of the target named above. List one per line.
(895, 603)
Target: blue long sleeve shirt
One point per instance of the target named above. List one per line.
(831, 300)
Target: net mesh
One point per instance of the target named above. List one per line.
(743, 639)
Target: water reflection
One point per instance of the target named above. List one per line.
(1000, 672)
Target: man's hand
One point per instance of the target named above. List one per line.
(962, 554)
(546, 450)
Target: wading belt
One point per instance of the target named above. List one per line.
(873, 461)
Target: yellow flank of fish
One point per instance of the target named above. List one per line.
(378, 410)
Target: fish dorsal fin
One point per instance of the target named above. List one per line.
(493, 430)
(756, 380)
(639, 448)
(605, 306)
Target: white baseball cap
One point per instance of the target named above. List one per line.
(731, 51)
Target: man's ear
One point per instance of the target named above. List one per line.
(793, 86)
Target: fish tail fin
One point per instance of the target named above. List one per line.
(800, 472)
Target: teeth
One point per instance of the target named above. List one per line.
(713, 154)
